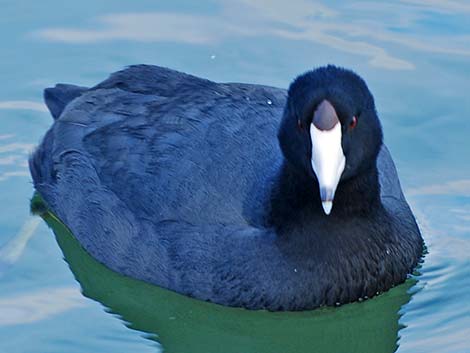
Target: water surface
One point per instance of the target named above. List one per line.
(415, 56)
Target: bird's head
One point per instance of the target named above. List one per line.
(330, 129)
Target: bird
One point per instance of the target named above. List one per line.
(242, 195)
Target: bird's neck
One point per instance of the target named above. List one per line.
(297, 195)
(359, 195)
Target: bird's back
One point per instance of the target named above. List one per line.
(171, 146)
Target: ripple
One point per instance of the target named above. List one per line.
(40, 305)
(333, 27)
(24, 105)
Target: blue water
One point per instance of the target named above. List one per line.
(415, 56)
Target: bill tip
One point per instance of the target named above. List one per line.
(327, 205)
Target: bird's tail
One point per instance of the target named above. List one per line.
(57, 98)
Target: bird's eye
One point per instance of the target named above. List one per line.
(353, 123)
(300, 124)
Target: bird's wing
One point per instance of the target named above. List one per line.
(389, 183)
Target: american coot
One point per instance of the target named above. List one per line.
(238, 194)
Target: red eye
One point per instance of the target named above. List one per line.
(353, 123)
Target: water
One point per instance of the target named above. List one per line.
(415, 56)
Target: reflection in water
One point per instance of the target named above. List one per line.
(454, 187)
(24, 105)
(182, 324)
(39, 305)
(13, 249)
(359, 28)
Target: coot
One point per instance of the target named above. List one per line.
(242, 195)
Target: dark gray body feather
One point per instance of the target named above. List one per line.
(166, 178)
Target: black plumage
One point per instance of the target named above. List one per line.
(182, 182)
